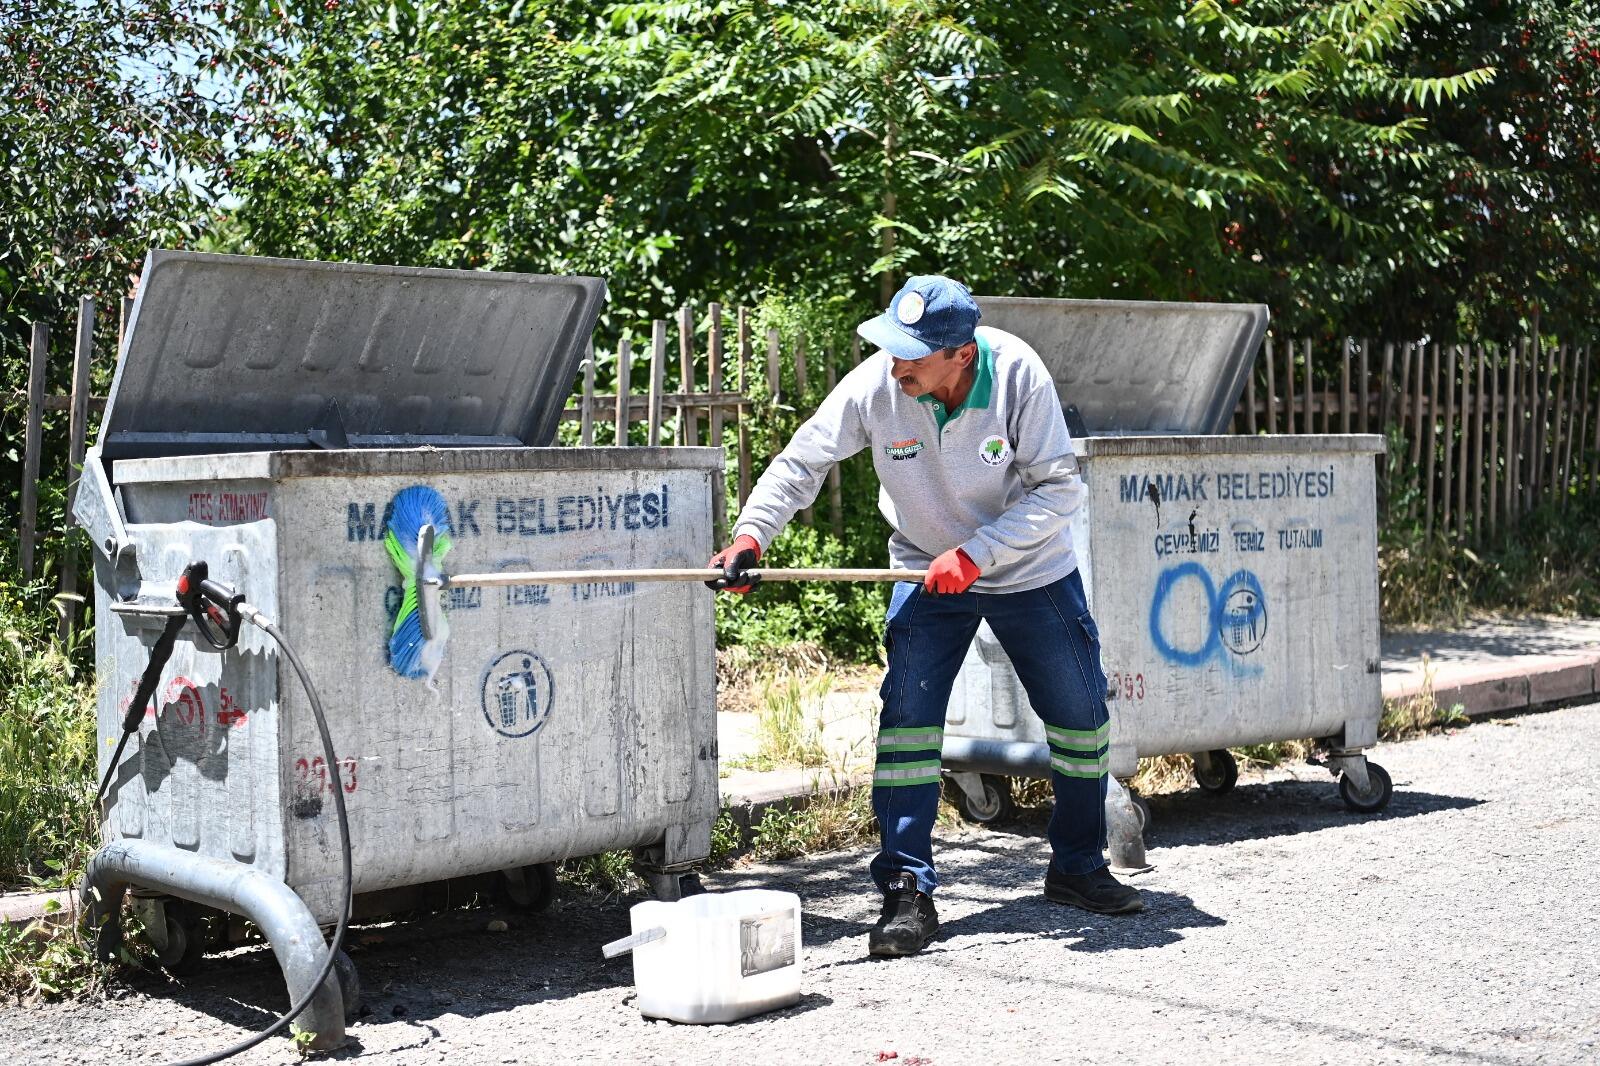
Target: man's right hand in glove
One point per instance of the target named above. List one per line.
(734, 561)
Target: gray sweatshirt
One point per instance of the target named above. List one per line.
(995, 477)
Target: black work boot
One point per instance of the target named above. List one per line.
(908, 921)
(1097, 891)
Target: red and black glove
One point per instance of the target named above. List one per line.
(951, 572)
(734, 560)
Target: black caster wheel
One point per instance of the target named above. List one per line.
(1377, 795)
(995, 806)
(186, 938)
(689, 885)
(529, 888)
(344, 971)
(1221, 775)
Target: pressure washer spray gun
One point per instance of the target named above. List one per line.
(218, 611)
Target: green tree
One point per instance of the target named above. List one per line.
(110, 139)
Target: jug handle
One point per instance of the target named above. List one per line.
(628, 943)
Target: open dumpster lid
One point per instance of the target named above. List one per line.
(1139, 367)
(227, 353)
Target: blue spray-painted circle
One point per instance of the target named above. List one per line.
(1158, 601)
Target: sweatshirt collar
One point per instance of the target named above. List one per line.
(977, 396)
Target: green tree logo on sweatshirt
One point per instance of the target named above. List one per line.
(994, 451)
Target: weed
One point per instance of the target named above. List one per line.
(41, 962)
(47, 743)
(1274, 752)
(1163, 774)
(607, 874)
(833, 819)
(1420, 713)
(1030, 793)
(784, 734)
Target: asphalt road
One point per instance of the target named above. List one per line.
(1459, 926)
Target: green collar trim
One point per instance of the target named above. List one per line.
(977, 396)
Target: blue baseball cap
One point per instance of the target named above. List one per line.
(929, 313)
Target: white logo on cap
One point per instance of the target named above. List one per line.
(911, 307)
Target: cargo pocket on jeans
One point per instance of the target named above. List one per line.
(1091, 633)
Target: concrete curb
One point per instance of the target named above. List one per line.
(1495, 687)
(1520, 684)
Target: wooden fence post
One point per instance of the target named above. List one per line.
(1364, 424)
(658, 373)
(743, 415)
(77, 432)
(1530, 413)
(1569, 400)
(719, 494)
(1420, 350)
(1513, 425)
(1446, 484)
(1306, 425)
(806, 517)
(835, 479)
(624, 389)
(1387, 397)
(1431, 447)
(688, 422)
(33, 444)
(1477, 444)
(1272, 392)
(1344, 389)
(1585, 481)
(1463, 363)
(1494, 441)
(586, 414)
(1564, 436)
(1289, 394)
(1547, 405)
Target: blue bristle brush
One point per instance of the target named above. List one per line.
(412, 652)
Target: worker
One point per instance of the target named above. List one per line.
(978, 480)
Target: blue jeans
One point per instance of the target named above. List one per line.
(1052, 641)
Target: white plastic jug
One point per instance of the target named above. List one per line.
(715, 957)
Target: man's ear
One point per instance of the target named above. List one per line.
(967, 353)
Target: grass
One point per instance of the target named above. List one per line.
(1547, 565)
(785, 736)
(47, 744)
(1419, 714)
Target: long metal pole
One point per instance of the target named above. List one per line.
(583, 577)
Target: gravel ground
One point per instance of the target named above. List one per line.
(1458, 926)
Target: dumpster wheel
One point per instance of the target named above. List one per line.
(1216, 771)
(186, 937)
(529, 888)
(994, 804)
(1375, 798)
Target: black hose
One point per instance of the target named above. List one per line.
(337, 942)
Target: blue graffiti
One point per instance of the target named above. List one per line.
(1234, 622)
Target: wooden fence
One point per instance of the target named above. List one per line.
(1480, 433)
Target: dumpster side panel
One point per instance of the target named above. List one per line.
(564, 720)
(201, 773)
(1243, 608)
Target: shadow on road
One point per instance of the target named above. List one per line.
(1274, 809)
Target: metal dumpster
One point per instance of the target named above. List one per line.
(1234, 579)
(263, 416)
